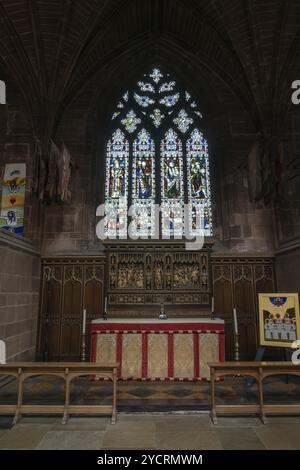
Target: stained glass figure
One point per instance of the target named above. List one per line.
(143, 184)
(198, 184)
(131, 121)
(183, 121)
(117, 165)
(116, 190)
(143, 166)
(172, 184)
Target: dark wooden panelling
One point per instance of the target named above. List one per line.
(237, 282)
(71, 320)
(93, 301)
(69, 286)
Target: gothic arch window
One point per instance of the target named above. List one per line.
(157, 155)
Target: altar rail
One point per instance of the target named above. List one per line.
(67, 371)
(259, 371)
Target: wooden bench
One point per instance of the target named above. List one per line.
(67, 371)
(259, 371)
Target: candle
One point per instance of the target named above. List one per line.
(105, 305)
(213, 305)
(235, 321)
(84, 321)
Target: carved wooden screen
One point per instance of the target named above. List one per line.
(237, 282)
(68, 286)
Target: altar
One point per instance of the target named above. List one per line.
(150, 349)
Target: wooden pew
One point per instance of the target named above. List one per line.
(259, 371)
(67, 371)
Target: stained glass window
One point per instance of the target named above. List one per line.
(156, 137)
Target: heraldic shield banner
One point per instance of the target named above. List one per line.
(13, 197)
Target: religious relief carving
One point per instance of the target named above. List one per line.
(113, 278)
(186, 275)
(168, 279)
(130, 276)
(158, 276)
(122, 279)
(155, 274)
(148, 278)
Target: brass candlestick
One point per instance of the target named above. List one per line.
(212, 309)
(104, 316)
(237, 351)
(83, 347)
(162, 313)
(236, 346)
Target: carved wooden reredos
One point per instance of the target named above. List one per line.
(151, 273)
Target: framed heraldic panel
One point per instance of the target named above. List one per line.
(279, 319)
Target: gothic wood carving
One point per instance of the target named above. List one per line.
(153, 273)
(68, 286)
(237, 281)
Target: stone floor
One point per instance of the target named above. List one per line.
(151, 431)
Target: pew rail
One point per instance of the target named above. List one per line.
(259, 371)
(67, 371)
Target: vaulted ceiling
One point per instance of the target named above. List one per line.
(53, 49)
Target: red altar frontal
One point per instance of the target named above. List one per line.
(149, 349)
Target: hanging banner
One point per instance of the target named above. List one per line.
(13, 197)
